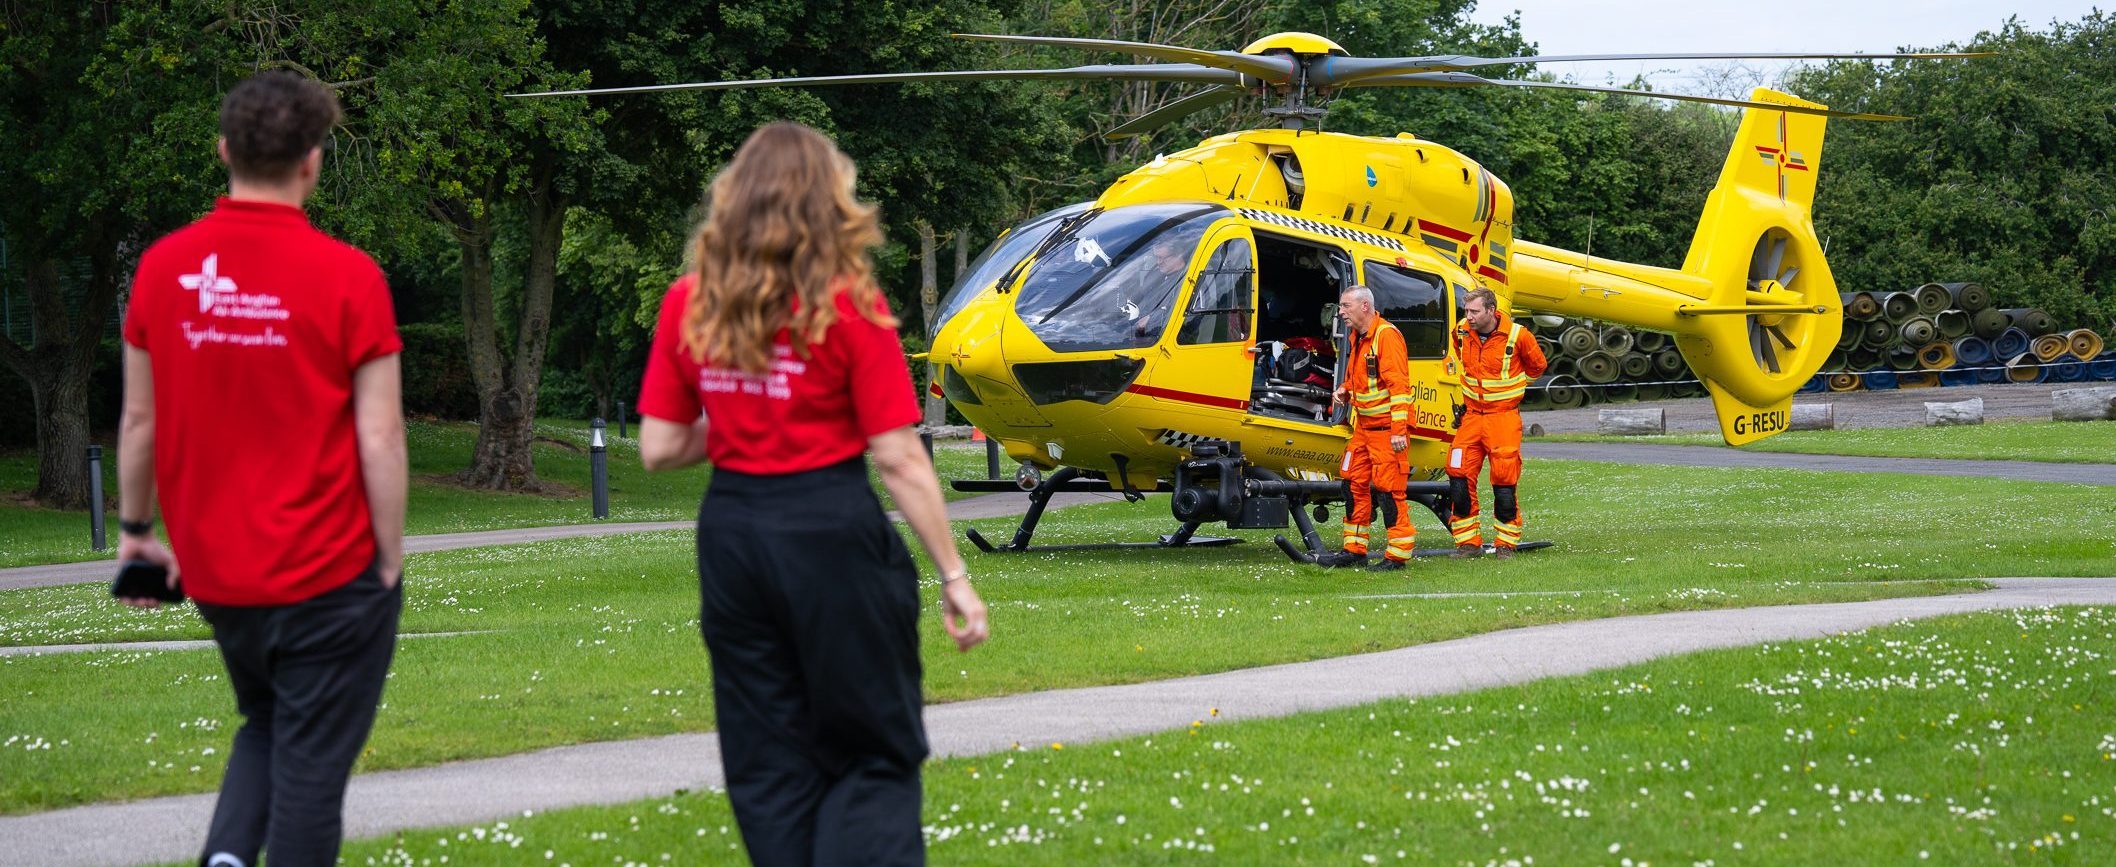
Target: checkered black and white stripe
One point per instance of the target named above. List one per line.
(1183, 440)
(1383, 241)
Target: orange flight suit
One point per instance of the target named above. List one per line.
(1378, 376)
(1496, 371)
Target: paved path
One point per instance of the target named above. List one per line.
(167, 829)
(158, 646)
(1904, 407)
(1714, 456)
(982, 507)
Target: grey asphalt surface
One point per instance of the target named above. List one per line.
(1712, 456)
(167, 829)
(1902, 407)
(985, 506)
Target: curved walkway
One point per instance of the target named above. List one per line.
(1714, 456)
(968, 509)
(169, 829)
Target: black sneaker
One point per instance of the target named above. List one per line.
(1338, 559)
(1386, 566)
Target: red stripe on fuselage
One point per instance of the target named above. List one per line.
(1489, 271)
(1457, 235)
(1189, 397)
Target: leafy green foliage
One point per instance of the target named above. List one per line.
(2005, 175)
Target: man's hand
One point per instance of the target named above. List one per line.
(392, 574)
(962, 613)
(1399, 442)
(1341, 395)
(150, 549)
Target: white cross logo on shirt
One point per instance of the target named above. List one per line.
(207, 281)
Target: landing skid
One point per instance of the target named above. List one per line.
(1168, 540)
(1068, 479)
(1300, 556)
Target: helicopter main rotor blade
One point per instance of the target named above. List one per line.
(1184, 72)
(1271, 69)
(1464, 79)
(1347, 70)
(1170, 113)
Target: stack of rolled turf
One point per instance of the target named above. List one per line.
(1950, 334)
(1594, 362)
(1937, 334)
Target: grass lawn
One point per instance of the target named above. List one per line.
(438, 505)
(595, 639)
(1999, 440)
(1974, 739)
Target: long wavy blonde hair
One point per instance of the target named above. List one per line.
(782, 224)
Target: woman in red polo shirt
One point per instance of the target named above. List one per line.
(777, 360)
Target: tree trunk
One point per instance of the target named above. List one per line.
(60, 400)
(507, 388)
(2096, 403)
(57, 368)
(1969, 411)
(962, 254)
(1813, 416)
(929, 304)
(1632, 421)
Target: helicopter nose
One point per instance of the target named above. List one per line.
(973, 352)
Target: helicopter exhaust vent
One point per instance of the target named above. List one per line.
(1321, 228)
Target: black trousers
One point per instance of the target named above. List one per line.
(809, 605)
(307, 678)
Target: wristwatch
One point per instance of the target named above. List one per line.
(136, 528)
(962, 575)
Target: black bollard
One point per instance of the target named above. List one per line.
(621, 429)
(991, 458)
(95, 498)
(926, 436)
(599, 469)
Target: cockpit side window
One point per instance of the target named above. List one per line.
(1219, 306)
(997, 259)
(1113, 283)
(1416, 303)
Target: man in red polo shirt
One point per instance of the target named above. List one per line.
(263, 404)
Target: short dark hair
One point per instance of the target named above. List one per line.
(272, 120)
(1491, 301)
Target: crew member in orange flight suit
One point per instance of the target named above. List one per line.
(1498, 359)
(1377, 382)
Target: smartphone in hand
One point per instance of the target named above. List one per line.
(141, 579)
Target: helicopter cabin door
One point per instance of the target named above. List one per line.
(1417, 303)
(1206, 364)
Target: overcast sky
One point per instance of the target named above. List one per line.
(1642, 26)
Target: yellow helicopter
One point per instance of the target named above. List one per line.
(1174, 334)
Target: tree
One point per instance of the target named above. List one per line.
(108, 126)
(478, 164)
(2006, 174)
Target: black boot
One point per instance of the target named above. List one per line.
(1386, 566)
(1339, 559)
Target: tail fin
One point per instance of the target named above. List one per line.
(1773, 313)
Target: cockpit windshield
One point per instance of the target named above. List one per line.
(1000, 258)
(1113, 282)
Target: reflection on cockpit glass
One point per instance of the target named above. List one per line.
(1113, 284)
(1000, 258)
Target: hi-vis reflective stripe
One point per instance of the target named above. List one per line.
(1507, 385)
